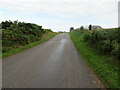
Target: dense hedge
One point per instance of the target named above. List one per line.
(16, 34)
(105, 41)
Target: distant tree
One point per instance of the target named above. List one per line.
(60, 31)
(81, 27)
(90, 27)
(6, 24)
(71, 29)
(16, 22)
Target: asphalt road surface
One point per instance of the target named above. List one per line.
(52, 64)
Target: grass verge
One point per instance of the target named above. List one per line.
(104, 67)
(16, 50)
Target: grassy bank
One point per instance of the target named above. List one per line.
(103, 66)
(45, 37)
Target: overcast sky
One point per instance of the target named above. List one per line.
(60, 15)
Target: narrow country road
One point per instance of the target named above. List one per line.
(52, 64)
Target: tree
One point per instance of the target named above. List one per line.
(81, 28)
(90, 27)
(6, 24)
(71, 29)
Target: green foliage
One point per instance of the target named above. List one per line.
(47, 30)
(103, 66)
(17, 34)
(105, 41)
(16, 50)
(6, 24)
(81, 27)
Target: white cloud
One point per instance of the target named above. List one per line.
(59, 6)
(99, 10)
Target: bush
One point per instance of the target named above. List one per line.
(86, 36)
(16, 34)
(106, 41)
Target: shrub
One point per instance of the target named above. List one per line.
(16, 34)
(106, 41)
